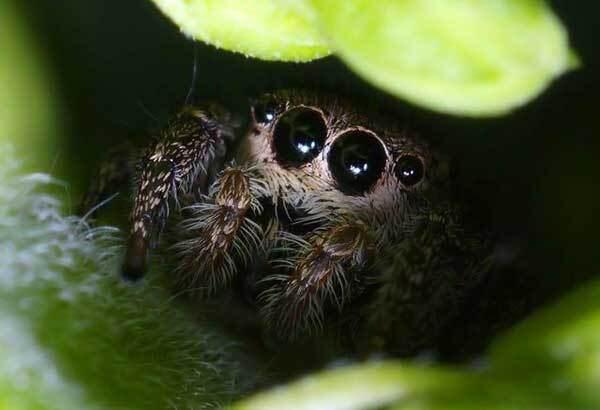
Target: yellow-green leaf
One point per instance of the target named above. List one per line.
(359, 387)
(558, 346)
(28, 105)
(267, 29)
(466, 57)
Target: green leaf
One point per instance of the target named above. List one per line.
(357, 387)
(549, 361)
(404, 386)
(75, 336)
(558, 346)
(267, 29)
(465, 57)
(29, 111)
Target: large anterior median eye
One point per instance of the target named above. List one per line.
(299, 136)
(356, 161)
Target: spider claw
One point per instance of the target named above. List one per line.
(135, 264)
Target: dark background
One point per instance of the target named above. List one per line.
(122, 67)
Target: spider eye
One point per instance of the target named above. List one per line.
(410, 170)
(264, 111)
(356, 161)
(299, 136)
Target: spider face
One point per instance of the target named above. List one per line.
(320, 155)
(316, 207)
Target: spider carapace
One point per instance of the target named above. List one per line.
(328, 214)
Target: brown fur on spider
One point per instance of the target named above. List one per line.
(332, 214)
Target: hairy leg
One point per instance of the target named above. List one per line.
(113, 175)
(219, 238)
(178, 163)
(322, 273)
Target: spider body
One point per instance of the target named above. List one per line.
(332, 214)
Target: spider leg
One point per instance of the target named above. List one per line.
(113, 175)
(178, 163)
(220, 237)
(323, 273)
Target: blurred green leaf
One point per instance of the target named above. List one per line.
(357, 387)
(28, 105)
(559, 347)
(405, 386)
(467, 57)
(267, 29)
(75, 336)
(550, 361)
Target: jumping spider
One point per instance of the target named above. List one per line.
(324, 214)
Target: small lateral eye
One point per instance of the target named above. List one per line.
(410, 170)
(264, 111)
(356, 161)
(299, 136)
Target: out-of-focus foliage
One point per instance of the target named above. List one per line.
(475, 57)
(468, 57)
(29, 109)
(558, 348)
(551, 361)
(268, 29)
(74, 336)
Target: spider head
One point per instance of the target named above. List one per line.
(322, 155)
